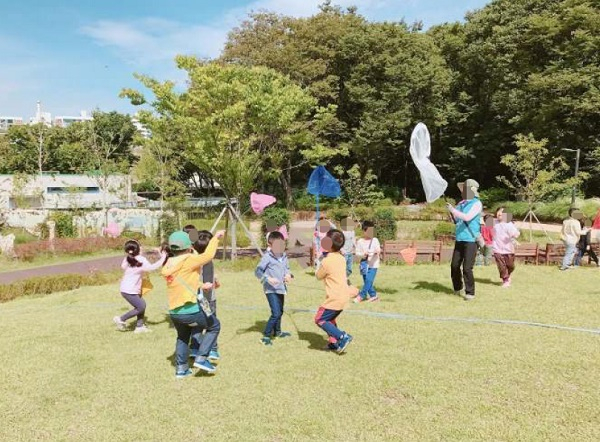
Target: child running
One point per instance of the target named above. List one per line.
(274, 273)
(207, 293)
(135, 266)
(333, 273)
(505, 233)
(181, 273)
(368, 249)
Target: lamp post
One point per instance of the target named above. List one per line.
(578, 151)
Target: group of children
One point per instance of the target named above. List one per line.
(187, 267)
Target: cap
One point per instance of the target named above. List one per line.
(180, 240)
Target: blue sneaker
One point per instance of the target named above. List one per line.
(343, 343)
(193, 353)
(266, 341)
(205, 365)
(214, 355)
(331, 347)
(283, 335)
(183, 374)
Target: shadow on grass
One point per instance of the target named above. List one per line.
(316, 341)
(487, 281)
(166, 318)
(387, 290)
(258, 327)
(433, 287)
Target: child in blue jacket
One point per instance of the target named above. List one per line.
(274, 273)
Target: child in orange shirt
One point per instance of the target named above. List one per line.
(333, 273)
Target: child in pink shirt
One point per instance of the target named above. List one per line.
(505, 233)
(135, 266)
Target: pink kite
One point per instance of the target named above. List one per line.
(260, 201)
(283, 231)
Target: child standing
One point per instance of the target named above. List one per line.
(505, 233)
(207, 292)
(274, 273)
(570, 233)
(349, 245)
(181, 274)
(487, 233)
(135, 266)
(368, 249)
(333, 272)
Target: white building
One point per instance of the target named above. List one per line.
(41, 117)
(143, 130)
(65, 121)
(58, 191)
(6, 122)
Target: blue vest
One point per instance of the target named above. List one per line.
(462, 233)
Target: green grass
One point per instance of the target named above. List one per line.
(68, 375)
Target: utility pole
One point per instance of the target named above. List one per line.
(578, 152)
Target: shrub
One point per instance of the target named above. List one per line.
(364, 213)
(64, 224)
(167, 224)
(277, 215)
(492, 196)
(66, 246)
(385, 224)
(443, 230)
(392, 193)
(43, 285)
(129, 234)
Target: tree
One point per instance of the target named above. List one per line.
(234, 122)
(358, 189)
(536, 175)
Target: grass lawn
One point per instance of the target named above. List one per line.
(68, 375)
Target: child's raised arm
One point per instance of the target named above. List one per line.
(197, 261)
(147, 267)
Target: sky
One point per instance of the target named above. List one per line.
(75, 56)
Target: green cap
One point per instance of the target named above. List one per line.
(180, 240)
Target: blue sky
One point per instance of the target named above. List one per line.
(79, 57)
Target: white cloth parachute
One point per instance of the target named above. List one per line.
(420, 150)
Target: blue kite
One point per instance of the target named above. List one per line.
(321, 182)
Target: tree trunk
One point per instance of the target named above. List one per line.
(286, 182)
(233, 232)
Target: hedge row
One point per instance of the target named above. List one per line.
(44, 285)
(66, 246)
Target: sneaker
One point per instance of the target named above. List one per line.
(283, 335)
(373, 298)
(120, 324)
(358, 299)
(205, 365)
(506, 284)
(331, 347)
(142, 329)
(458, 293)
(468, 297)
(194, 353)
(265, 340)
(214, 355)
(343, 343)
(183, 374)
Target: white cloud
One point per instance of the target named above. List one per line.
(151, 40)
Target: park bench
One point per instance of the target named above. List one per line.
(392, 249)
(528, 252)
(553, 253)
(430, 250)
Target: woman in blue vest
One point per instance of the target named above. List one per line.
(466, 216)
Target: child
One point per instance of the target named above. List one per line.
(135, 266)
(333, 272)
(487, 232)
(274, 273)
(571, 231)
(349, 246)
(505, 233)
(181, 273)
(585, 244)
(207, 291)
(323, 226)
(368, 249)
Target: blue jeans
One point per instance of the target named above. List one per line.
(276, 302)
(326, 319)
(570, 250)
(186, 326)
(349, 262)
(369, 280)
(212, 321)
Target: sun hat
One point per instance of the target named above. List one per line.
(180, 240)
(471, 184)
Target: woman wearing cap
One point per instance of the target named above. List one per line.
(466, 216)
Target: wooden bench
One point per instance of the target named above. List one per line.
(553, 253)
(431, 250)
(528, 252)
(391, 249)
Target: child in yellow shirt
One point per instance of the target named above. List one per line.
(338, 292)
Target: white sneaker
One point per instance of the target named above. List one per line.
(120, 324)
(142, 329)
